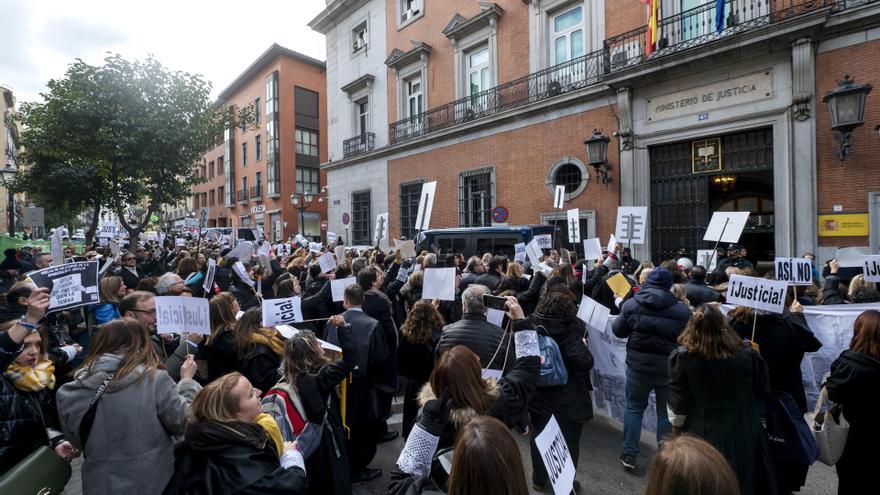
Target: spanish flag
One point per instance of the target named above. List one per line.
(652, 34)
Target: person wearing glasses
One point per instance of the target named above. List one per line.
(129, 272)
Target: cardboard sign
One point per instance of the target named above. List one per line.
(558, 197)
(315, 247)
(871, 268)
(758, 293)
(545, 241)
(632, 224)
(533, 251)
(439, 283)
(243, 251)
(327, 262)
(707, 259)
(282, 311)
(239, 269)
(592, 313)
(619, 284)
(208, 284)
(852, 257)
(176, 314)
(426, 205)
(70, 285)
(574, 226)
(557, 459)
(337, 287)
(519, 252)
(407, 249)
(381, 227)
(726, 226)
(592, 249)
(495, 316)
(795, 271)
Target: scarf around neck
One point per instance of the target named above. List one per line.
(32, 379)
(269, 338)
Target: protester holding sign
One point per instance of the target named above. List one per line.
(714, 383)
(218, 351)
(170, 348)
(259, 350)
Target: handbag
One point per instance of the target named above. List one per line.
(43, 472)
(830, 433)
(787, 433)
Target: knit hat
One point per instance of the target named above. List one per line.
(660, 277)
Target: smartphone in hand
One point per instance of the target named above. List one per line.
(494, 302)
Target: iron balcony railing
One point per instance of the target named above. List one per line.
(676, 33)
(361, 143)
(256, 192)
(242, 195)
(568, 76)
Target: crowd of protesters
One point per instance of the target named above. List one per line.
(246, 410)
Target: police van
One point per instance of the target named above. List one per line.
(471, 241)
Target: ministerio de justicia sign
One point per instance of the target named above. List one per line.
(704, 99)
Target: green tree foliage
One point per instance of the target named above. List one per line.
(120, 135)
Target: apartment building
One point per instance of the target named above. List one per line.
(10, 205)
(255, 174)
(704, 111)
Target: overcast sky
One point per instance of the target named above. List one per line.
(217, 39)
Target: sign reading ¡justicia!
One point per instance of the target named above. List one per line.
(736, 91)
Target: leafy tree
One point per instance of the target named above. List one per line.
(125, 132)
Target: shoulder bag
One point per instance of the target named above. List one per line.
(85, 426)
(830, 433)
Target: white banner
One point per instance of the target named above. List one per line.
(544, 241)
(557, 459)
(795, 271)
(595, 315)
(533, 251)
(381, 227)
(242, 273)
(176, 314)
(282, 311)
(707, 259)
(758, 293)
(327, 262)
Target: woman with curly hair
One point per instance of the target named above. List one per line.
(415, 355)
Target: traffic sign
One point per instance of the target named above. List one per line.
(323, 224)
(345, 218)
(500, 214)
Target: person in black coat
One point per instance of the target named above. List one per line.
(853, 383)
(415, 355)
(651, 321)
(218, 351)
(494, 273)
(225, 450)
(129, 272)
(697, 290)
(259, 350)
(570, 404)
(602, 292)
(484, 339)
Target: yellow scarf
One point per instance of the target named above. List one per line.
(269, 338)
(32, 379)
(268, 423)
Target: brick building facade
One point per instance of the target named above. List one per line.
(495, 100)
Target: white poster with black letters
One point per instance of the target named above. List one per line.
(871, 268)
(557, 459)
(533, 251)
(544, 241)
(176, 314)
(208, 284)
(426, 205)
(632, 222)
(70, 285)
(519, 252)
(574, 226)
(795, 271)
(758, 293)
(282, 311)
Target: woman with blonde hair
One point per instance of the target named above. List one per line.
(112, 290)
(857, 283)
(229, 447)
(123, 409)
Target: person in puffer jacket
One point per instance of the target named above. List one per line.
(651, 321)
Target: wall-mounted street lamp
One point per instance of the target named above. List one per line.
(846, 104)
(597, 155)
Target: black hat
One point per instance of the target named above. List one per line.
(10, 252)
(735, 247)
(10, 263)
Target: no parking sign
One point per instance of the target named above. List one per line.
(500, 214)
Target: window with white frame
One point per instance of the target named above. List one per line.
(414, 98)
(306, 142)
(362, 116)
(359, 37)
(479, 74)
(409, 9)
(567, 34)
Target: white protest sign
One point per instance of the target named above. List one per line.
(612, 243)
(381, 227)
(337, 287)
(114, 248)
(632, 224)
(339, 251)
(574, 225)
(519, 252)
(331, 237)
(558, 197)
(302, 241)
(265, 248)
(407, 249)
(178, 241)
(426, 205)
(315, 247)
(851, 257)
(557, 459)
(243, 251)
(403, 274)
(175, 314)
(327, 262)
(266, 263)
(594, 314)
(439, 283)
(288, 332)
(592, 249)
(795, 271)
(106, 266)
(70, 284)
(208, 284)
(707, 259)
(57, 250)
(239, 269)
(758, 293)
(282, 311)
(494, 316)
(871, 268)
(726, 226)
(545, 241)
(533, 251)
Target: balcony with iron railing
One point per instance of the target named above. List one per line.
(257, 192)
(677, 33)
(242, 196)
(359, 144)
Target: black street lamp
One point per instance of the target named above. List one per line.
(9, 173)
(846, 104)
(303, 201)
(597, 155)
